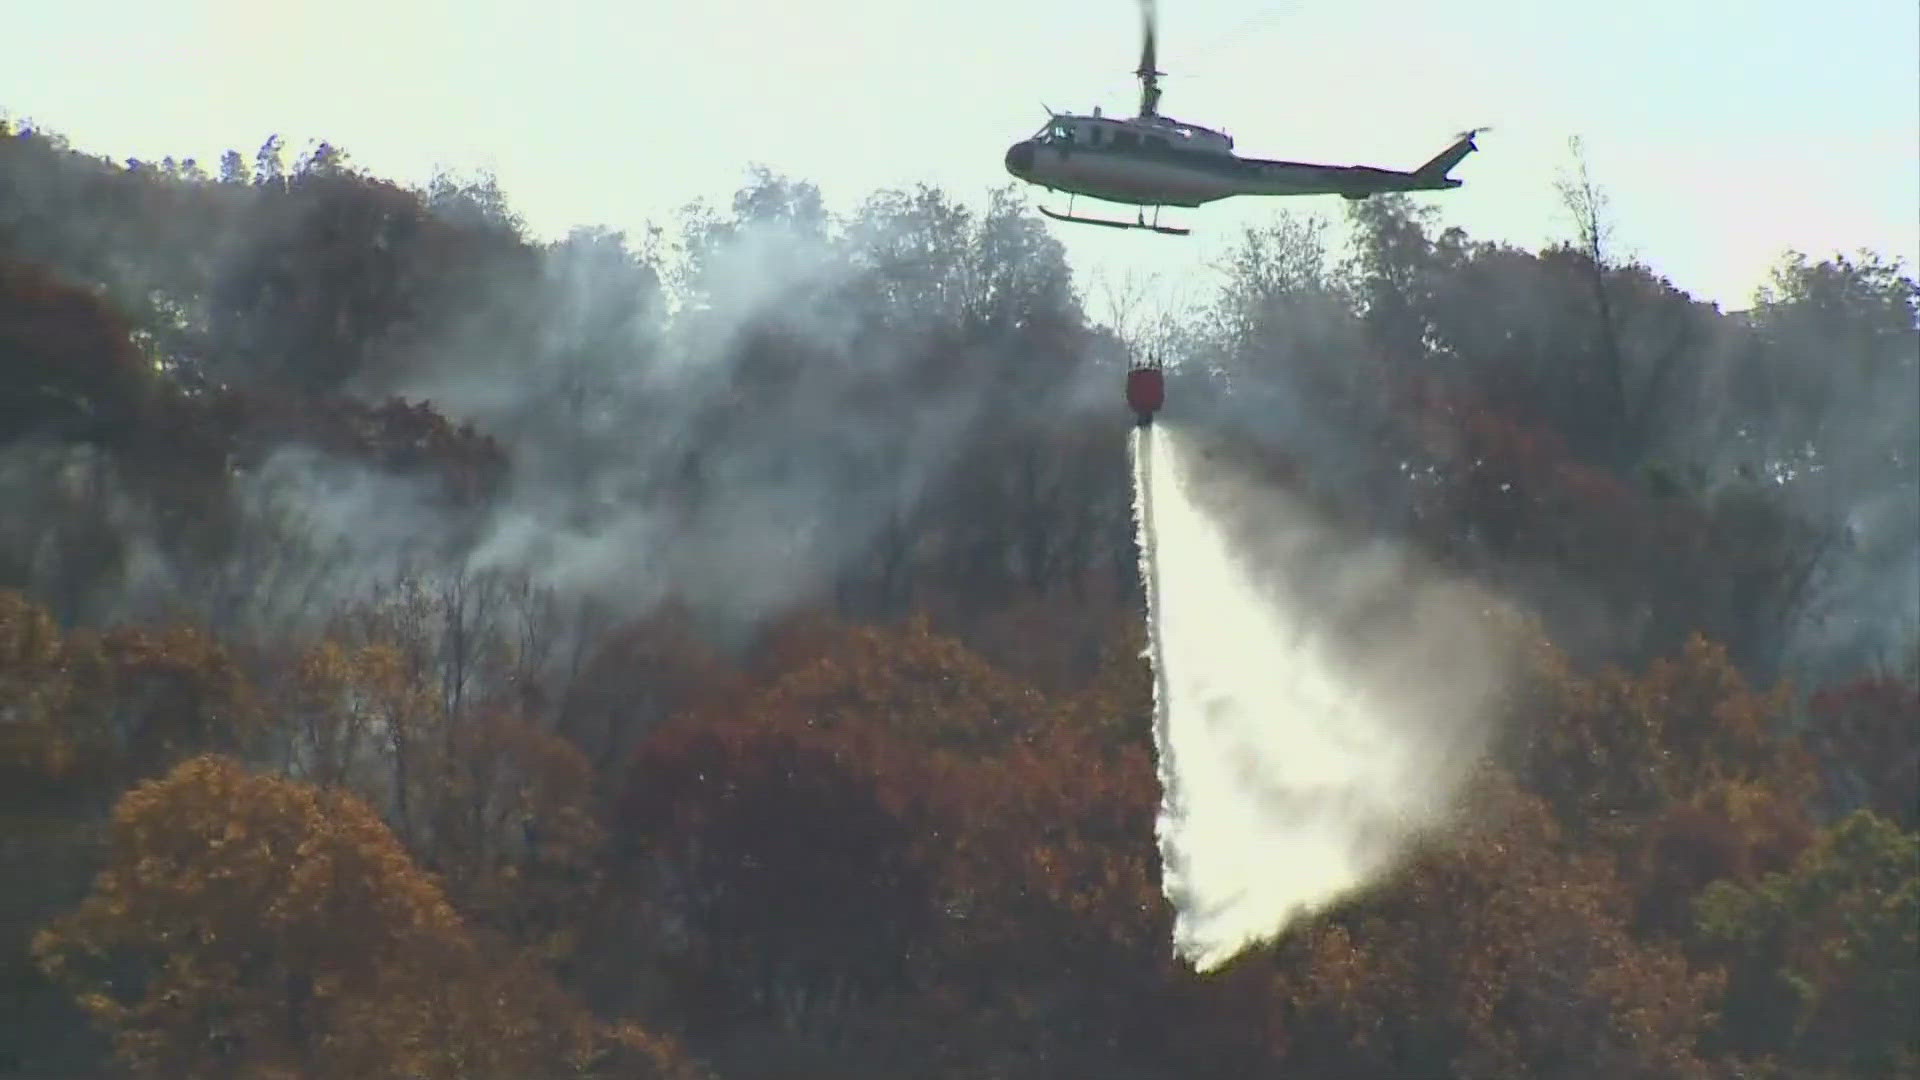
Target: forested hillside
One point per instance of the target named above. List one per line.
(426, 651)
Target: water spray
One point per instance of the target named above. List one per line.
(1317, 702)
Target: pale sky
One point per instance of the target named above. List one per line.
(1724, 133)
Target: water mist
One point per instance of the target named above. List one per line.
(1318, 700)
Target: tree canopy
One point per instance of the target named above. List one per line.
(716, 650)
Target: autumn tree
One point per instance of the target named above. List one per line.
(503, 810)
(1823, 957)
(1609, 752)
(515, 834)
(36, 694)
(635, 676)
(785, 861)
(72, 371)
(927, 687)
(1865, 733)
(1501, 954)
(1055, 936)
(250, 925)
(89, 711)
(888, 804)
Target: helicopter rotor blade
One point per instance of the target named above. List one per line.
(1148, 34)
(1149, 74)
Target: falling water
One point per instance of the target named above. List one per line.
(1317, 700)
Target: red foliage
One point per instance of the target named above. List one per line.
(1048, 870)
(1630, 573)
(783, 856)
(70, 370)
(1866, 734)
(1731, 830)
(640, 675)
(396, 436)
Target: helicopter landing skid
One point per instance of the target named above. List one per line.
(1155, 226)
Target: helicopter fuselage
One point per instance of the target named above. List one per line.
(1167, 163)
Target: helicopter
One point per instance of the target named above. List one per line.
(1156, 161)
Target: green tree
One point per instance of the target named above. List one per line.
(1824, 958)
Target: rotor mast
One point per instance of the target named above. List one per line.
(1149, 76)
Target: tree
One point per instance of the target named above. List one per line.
(1611, 752)
(1588, 204)
(516, 836)
(1824, 958)
(1866, 734)
(39, 747)
(1501, 954)
(638, 675)
(926, 687)
(1055, 936)
(70, 370)
(90, 711)
(785, 861)
(1823, 411)
(251, 925)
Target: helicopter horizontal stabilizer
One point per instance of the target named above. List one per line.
(1111, 224)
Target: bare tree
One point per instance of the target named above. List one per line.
(1645, 336)
(1588, 204)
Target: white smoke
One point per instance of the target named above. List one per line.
(1318, 701)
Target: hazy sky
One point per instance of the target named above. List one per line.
(1723, 132)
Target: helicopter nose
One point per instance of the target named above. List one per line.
(1020, 158)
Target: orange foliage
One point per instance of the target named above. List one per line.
(871, 820)
(1049, 847)
(515, 834)
(90, 710)
(1610, 751)
(1499, 957)
(172, 692)
(927, 688)
(37, 745)
(1733, 830)
(1046, 873)
(1118, 698)
(1058, 645)
(252, 925)
(503, 811)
